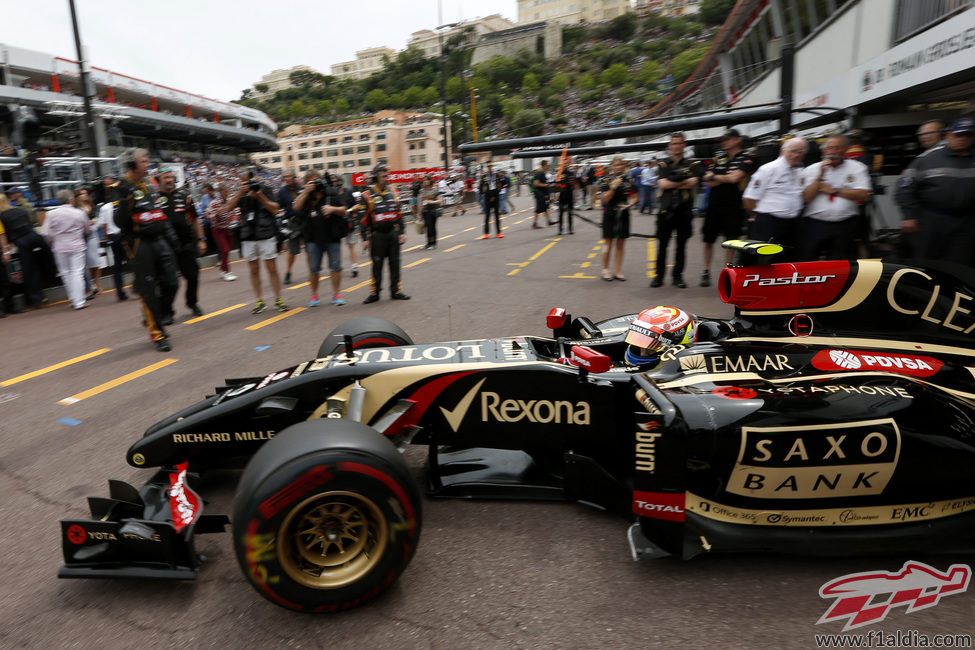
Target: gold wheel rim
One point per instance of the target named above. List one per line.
(332, 539)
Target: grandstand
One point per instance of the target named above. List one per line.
(41, 110)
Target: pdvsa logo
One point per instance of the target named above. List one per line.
(866, 598)
(904, 364)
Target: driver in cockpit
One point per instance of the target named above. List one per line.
(654, 330)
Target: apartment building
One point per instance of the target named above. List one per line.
(570, 11)
(278, 80)
(400, 139)
(428, 41)
(367, 62)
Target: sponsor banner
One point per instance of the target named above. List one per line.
(668, 506)
(816, 461)
(787, 286)
(402, 175)
(859, 516)
(693, 363)
(904, 364)
(935, 53)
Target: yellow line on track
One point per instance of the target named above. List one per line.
(412, 248)
(651, 258)
(91, 392)
(275, 319)
(356, 286)
(455, 248)
(57, 366)
(421, 261)
(212, 314)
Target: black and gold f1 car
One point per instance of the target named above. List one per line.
(834, 414)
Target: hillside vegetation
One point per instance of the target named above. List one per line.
(609, 72)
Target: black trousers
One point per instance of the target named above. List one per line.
(36, 260)
(492, 201)
(430, 221)
(154, 268)
(565, 205)
(118, 257)
(778, 230)
(675, 220)
(190, 270)
(383, 246)
(837, 239)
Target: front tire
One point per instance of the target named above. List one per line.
(326, 516)
(366, 332)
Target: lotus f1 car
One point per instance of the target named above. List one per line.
(834, 414)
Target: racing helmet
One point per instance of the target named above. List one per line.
(656, 329)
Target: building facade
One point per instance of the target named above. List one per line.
(278, 80)
(428, 41)
(367, 62)
(399, 139)
(570, 11)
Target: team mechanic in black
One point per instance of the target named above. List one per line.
(191, 242)
(936, 194)
(727, 176)
(679, 176)
(146, 236)
(383, 232)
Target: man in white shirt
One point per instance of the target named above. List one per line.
(106, 221)
(773, 198)
(834, 188)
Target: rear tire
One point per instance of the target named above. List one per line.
(326, 516)
(366, 332)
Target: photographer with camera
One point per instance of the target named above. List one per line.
(678, 178)
(383, 232)
(258, 236)
(322, 212)
(292, 228)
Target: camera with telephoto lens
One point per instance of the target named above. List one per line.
(255, 186)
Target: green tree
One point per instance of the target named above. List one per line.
(649, 72)
(684, 63)
(560, 82)
(626, 91)
(528, 122)
(261, 88)
(585, 81)
(305, 78)
(377, 99)
(325, 107)
(622, 28)
(615, 75)
(299, 109)
(572, 36)
(429, 97)
(715, 12)
(511, 106)
(413, 97)
(454, 89)
(342, 106)
(530, 83)
(396, 100)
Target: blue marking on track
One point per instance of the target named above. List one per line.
(261, 348)
(70, 421)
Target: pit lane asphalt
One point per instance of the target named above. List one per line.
(486, 574)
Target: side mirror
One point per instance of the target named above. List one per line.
(557, 318)
(585, 358)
